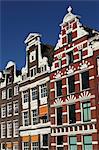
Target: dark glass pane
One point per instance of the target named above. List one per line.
(70, 57)
(59, 140)
(69, 37)
(45, 140)
(71, 84)
(59, 116)
(72, 116)
(59, 87)
(85, 80)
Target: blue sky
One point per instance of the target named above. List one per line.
(19, 18)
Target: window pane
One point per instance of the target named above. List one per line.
(72, 115)
(59, 140)
(73, 147)
(86, 111)
(85, 80)
(73, 140)
(71, 84)
(59, 116)
(69, 37)
(59, 87)
(87, 139)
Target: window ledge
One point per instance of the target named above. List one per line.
(84, 89)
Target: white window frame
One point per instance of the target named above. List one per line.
(34, 93)
(15, 145)
(8, 93)
(80, 75)
(3, 111)
(43, 87)
(25, 148)
(9, 123)
(35, 147)
(15, 128)
(16, 90)
(35, 117)
(26, 94)
(25, 119)
(3, 127)
(9, 109)
(32, 54)
(1, 146)
(14, 107)
(34, 71)
(4, 94)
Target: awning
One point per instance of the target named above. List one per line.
(9, 145)
(43, 110)
(25, 138)
(34, 138)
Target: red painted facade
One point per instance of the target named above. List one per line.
(85, 50)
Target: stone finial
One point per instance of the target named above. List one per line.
(69, 9)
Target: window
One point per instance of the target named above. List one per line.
(45, 140)
(59, 87)
(9, 93)
(86, 111)
(25, 96)
(26, 146)
(85, 80)
(59, 116)
(35, 146)
(43, 90)
(71, 84)
(33, 72)
(16, 107)
(15, 147)
(15, 128)
(43, 68)
(32, 56)
(98, 65)
(72, 115)
(87, 142)
(3, 111)
(3, 146)
(3, 130)
(9, 129)
(9, 109)
(73, 143)
(16, 90)
(34, 93)
(9, 79)
(4, 94)
(44, 118)
(80, 54)
(70, 57)
(69, 36)
(59, 140)
(35, 116)
(26, 118)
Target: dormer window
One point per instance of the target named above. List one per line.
(69, 37)
(32, 56)
(70, 57)
(33, 72)
(9, 79)
(43, 68)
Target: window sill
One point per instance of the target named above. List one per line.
(84, 89)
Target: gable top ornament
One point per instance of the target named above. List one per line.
(69, 16)
(69, 9)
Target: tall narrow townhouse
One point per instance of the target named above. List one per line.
(74, 87)
(9, 107)
(34, 88)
